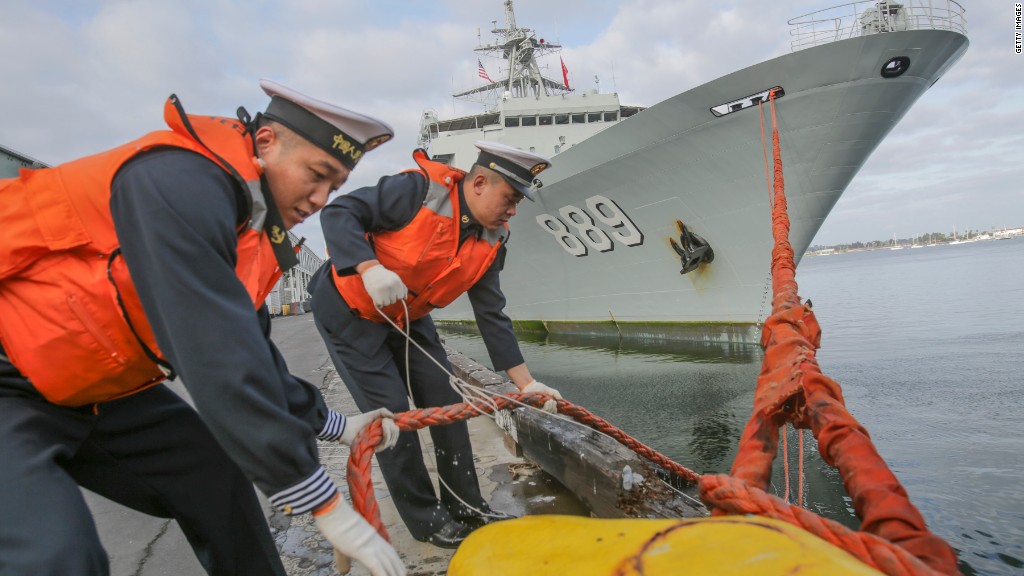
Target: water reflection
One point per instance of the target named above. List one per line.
(711, 441)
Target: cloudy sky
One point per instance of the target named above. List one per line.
(80, 76)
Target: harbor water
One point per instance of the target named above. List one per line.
(928, 345)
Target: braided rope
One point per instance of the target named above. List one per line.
(360, 480)
(791, 388)
(583, 416)
(730, 495)
(723, 493)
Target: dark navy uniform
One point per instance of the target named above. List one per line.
(374, 353)
(176, 215)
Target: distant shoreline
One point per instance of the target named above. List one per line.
(913, 243)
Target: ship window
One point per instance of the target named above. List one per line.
(561, 119)
(529, 120)
(611, 116)
(545, 120)
(579, 118)
(748, 102)
(557, 148)
(444, 158)
(511, 121)
(594, 117)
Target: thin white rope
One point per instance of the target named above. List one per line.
(467, 392)
(464, 389)
(686, 496)
(412, 402)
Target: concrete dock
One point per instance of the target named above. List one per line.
(141, 545)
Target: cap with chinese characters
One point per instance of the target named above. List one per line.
(520, 168)
(344, 134)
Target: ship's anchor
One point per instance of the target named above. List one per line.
(692, 249)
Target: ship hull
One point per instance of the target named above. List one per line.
(677, 161)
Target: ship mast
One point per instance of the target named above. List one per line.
(520, 49)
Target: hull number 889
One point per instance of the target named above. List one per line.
(577, 232)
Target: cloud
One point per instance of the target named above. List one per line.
(80, 77)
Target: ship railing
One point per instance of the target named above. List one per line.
(427, 119)
(875, 17)
(431, 126)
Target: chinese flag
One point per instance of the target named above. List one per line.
(565, 73)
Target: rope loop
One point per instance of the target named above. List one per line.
(360, 481)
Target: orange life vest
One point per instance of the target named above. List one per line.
(70, 319)
(425, 253)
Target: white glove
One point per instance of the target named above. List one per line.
(549, 406)
(384, 286)
(353, 537)
(355, 424)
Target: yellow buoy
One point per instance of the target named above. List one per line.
(559, 545)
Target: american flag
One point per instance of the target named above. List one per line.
(482, 72)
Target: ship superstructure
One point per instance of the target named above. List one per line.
(524, 108)
(11, 162)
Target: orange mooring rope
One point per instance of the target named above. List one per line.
(726, 494)
(790, 388)
(360, 482)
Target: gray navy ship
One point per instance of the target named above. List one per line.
(654, 222)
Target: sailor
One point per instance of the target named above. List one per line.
(153, 259)
(413, 242)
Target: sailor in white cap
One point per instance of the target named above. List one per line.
(518, 167)
(344, 134)
(413, 242)
(152, 260)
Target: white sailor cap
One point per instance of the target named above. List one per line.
(520, 168)
(344, 134)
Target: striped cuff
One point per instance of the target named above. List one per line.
(306, 495)
(334, 426)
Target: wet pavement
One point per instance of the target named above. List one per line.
(141, 545)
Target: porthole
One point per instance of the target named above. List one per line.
(895, 66)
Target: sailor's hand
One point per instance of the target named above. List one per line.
(355, 424)
(353, 537)
(549, 406)
(384, 286)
